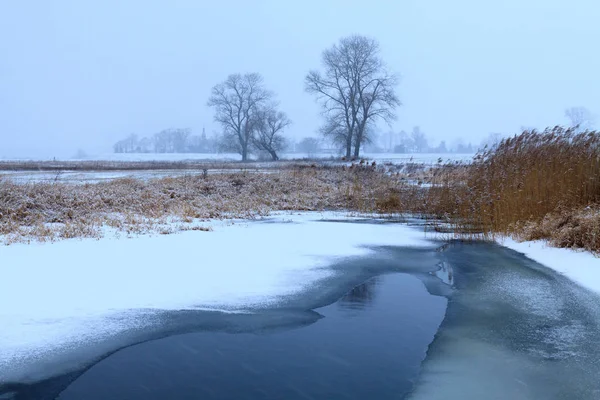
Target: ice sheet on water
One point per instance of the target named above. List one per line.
(513, 330)
(57, 296)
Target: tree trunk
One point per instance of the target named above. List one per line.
(349, 148)
(357, 149)
(245, 153)
(274, 155)
(359, 138)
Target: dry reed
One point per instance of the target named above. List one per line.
(536, 185)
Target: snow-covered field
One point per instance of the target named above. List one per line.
(425, 158)
(58, 297)
(80, 177)
(29, 176)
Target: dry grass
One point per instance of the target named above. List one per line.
(537, 185)
(51, 211)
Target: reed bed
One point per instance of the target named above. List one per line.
(536, 185)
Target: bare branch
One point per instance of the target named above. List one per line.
(269, 127)
(236, 101)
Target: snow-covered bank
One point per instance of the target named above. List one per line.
(581, 267)
(64, 295)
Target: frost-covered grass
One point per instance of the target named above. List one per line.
(52, 211)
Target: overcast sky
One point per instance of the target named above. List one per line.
(82, 74)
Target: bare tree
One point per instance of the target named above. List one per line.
(268, 128)
(442, 148)
(354, 90)
(386, 140)
(580, 117)
(419, 140)
(377, 98)
(336, 131)
(161, 142)
(237, 101)
(127, 145)
(145, 145)
(179, 137)
(308, 145)
(404, 143)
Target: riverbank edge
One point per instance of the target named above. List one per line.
(580, 266)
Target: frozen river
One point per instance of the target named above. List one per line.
(467, 321)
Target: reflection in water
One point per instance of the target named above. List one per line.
(361, 296)
(445, 273)
(340, 356)
(171, 323)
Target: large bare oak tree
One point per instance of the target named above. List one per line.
(355, 90)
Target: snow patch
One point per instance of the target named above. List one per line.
(581, 267)
(74, 292)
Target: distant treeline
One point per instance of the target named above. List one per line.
(417, 142)
(183, 141)
(167, 141)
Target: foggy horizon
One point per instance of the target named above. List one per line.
(82, 76)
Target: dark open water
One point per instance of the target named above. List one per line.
(369, 344)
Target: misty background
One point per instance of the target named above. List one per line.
(82, 75)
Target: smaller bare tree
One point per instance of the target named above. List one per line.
(268, 129)
(336, 132)
(419, 140)
(179, 138)
(237, 101)
(161, 141)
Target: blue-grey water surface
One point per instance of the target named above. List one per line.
(369, 344)
(466, 321)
